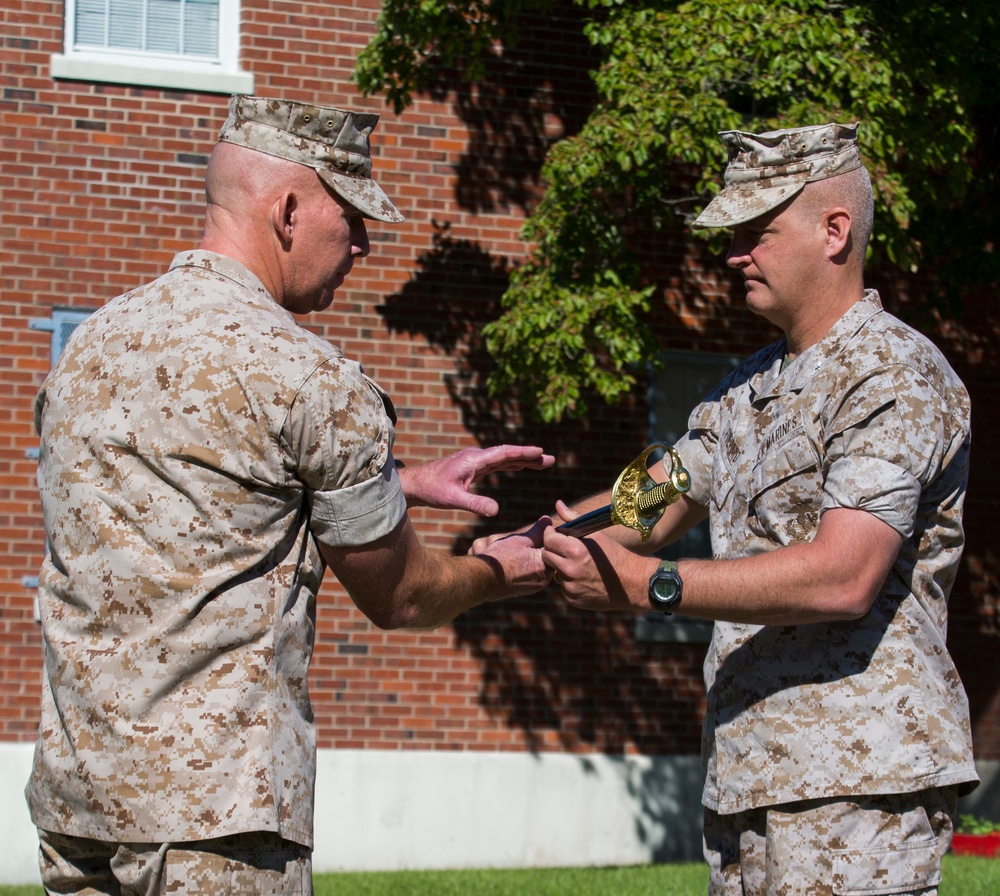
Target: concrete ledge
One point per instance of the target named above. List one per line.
(394, 810)
(17, 834)
(388, 810)
(172, 77)
(380, 810)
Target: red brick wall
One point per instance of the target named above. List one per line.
(102, 184)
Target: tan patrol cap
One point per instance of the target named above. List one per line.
(332, 141)
(767, 169)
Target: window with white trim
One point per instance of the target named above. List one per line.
(61, 325)
(681, 382)
(181, 44)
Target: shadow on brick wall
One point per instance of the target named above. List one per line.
(568, 678)
(563, 677)
(537, 91)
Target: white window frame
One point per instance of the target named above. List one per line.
(151, 69)
(61, 325)
(682, 381)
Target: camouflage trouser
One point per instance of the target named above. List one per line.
(854, 845)
(256, 864)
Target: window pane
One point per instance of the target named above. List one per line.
(63, 325)
(125, 29)
(91, 20)
(163, 28)
(201, 27)
(182, 27)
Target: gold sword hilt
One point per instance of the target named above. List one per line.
(638, 500)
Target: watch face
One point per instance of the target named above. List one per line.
(665, 590)
(664, 587)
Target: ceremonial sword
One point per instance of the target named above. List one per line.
(637, 500)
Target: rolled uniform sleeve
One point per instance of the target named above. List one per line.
(697, 449)
(890, 437)
(339, 436)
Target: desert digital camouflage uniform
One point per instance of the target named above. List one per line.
(196, 442)
(859, 846)
(254, 862)
(873, 418)
(334, 142)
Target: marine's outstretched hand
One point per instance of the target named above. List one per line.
(445, 483)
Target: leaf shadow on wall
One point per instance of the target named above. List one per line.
(565, 678)
(537, 91)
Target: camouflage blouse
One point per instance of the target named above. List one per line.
(871, 418)
(196, 443)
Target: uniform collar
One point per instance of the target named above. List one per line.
(224, 266)
(773, 381)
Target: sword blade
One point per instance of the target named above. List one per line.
(588, 523)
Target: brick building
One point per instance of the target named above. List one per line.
(525, 733)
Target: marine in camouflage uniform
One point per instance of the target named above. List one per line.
(837, 736)
(873, 418)
(203, 458)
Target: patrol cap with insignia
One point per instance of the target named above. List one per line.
(332, 141)
(767, 169)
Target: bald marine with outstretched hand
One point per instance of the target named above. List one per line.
(204, 460)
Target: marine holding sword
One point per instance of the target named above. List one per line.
(832, 466)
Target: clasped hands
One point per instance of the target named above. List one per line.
(589, 571)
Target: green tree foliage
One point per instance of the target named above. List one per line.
(416, 39)
(918, 76)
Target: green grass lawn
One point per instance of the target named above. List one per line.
(962, 877)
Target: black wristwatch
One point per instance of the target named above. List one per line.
(665, 587)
